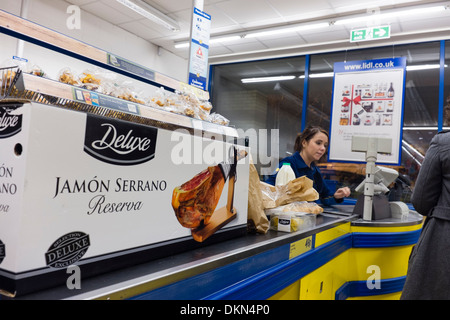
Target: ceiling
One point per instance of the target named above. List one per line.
(240, 17)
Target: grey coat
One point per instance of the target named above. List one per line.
(428, 275)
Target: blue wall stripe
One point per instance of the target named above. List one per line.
(385, 239)
(360, 288)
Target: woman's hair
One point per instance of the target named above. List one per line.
(447, 112)
(307, 135)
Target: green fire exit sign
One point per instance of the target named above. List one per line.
(372, 33)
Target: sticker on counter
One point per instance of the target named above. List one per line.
(10, 124)
(119, 142)
(299, 247)
(67, 250)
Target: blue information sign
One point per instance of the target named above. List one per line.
(198, 58)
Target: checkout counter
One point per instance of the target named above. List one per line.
(341, 257)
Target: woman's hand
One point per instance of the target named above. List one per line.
(342, 192)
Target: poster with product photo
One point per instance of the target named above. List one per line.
(367, 101)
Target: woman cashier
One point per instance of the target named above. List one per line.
(310, 146)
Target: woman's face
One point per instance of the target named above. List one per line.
(315, 148)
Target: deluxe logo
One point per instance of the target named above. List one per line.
(119, 142)
(10, 124)
(67, 250)
(2, 251)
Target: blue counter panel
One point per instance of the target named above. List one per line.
(204, 284)
(255, 278)
(263, 275)
(266, 284)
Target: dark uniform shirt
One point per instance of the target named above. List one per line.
(301, 169)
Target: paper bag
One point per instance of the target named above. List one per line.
(257, 219)
(300, 189)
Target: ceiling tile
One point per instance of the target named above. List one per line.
(325, 36)
(306, 8)
(140, 29)
(244, 12)
(107, 12)
(220, 22)
(250, 46)
(283, 42)
(169, 6)
(424, 24)
(238, 17)
(215, 51)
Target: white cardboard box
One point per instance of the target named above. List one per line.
(69, 194)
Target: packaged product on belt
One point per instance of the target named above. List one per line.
(292, 221)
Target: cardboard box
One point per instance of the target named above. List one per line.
(96, 192)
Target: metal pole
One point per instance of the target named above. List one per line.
(371, 157)
(23, 14)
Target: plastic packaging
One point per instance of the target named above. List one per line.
(89, 80)
(285, 175)
(296, 206)
(67, 76)
(292, 221)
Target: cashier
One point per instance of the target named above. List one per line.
(310, 146)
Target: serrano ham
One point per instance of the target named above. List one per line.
(195, 201)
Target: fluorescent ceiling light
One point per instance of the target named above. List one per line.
(266, 79)
(224, 39)
(147, 11)
(322, 75)
(367, 5)
(319, 75)
(260, 34)
(424, 67)
(425, 128)
(408, 68)
(393, 14)
(181, 45)
(287, 30)
(291, 29)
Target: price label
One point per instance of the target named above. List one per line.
(299, 247)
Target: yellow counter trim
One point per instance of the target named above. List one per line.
(331, 234)
(386, 229)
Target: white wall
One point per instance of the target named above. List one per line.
(94, 31)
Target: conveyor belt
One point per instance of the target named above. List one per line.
(130, 282)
